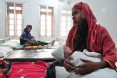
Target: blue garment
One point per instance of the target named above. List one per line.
(26, 34)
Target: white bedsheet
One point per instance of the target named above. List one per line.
(11, 44)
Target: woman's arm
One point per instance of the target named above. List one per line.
(28, 41)
(109, 51)
(89, 67)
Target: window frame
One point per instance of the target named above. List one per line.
(46, 20)
(15, 13)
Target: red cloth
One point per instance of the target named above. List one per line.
(28, 70)
(98, 39)
(2, 76)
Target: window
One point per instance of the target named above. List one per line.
(65, 22)
(14, 19)
(46, 21)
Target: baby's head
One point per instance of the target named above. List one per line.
(59, 53)
(67, 51)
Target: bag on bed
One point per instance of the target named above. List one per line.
(28, 70)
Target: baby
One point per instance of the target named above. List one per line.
(77, 55)
(92, 56)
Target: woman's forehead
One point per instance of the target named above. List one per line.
(29, 27)
(75, 9)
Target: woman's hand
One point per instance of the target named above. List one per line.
(68, 65)
(89, 67)
(33, 38)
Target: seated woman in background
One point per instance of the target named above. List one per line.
(27, 39)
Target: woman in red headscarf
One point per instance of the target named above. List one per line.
(86, 34)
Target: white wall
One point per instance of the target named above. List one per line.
(104, 10)
(2, 19)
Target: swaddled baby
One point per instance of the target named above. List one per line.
(77, 55)
(95, 57)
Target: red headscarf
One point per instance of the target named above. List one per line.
(89, 16)
(98, 38)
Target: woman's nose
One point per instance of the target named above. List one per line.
(73, 18)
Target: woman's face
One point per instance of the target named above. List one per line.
(29, 28)
(76, 15)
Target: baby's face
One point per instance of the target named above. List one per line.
(67, 51)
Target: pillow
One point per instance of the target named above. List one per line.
(6, 39)
(58, 54)
(4, 51)
(61, 40)
(10, 44)
(1, 41)
(16, 41)
(56, 43)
